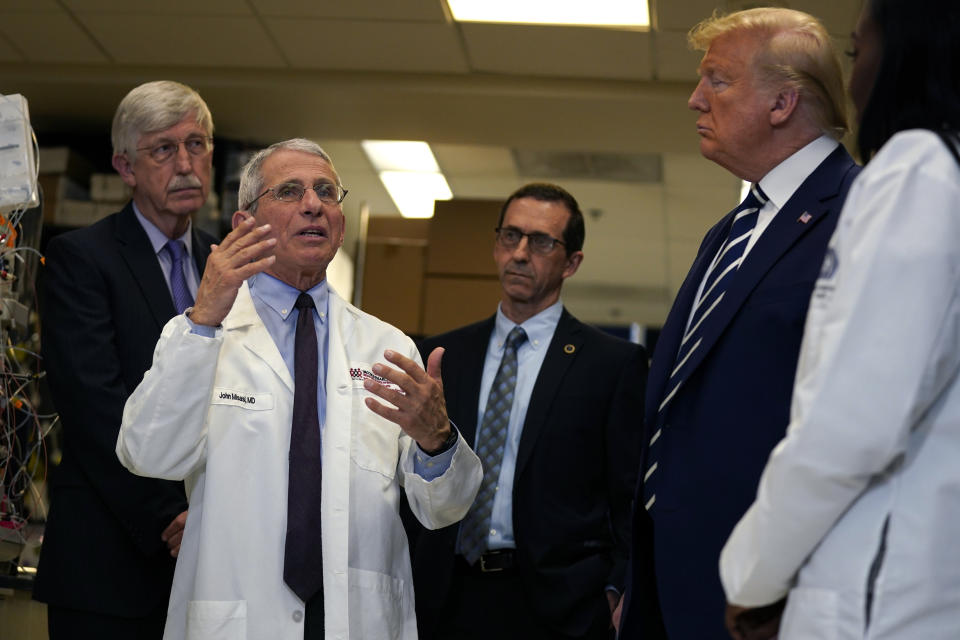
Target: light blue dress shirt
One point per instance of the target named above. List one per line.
(274, 301)
(539, 329)
(158, 241)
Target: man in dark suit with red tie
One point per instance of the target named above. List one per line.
(770, 109)
(107, 562)
(552, 407)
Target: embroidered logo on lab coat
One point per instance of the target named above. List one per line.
(823, 290)
(360, 371)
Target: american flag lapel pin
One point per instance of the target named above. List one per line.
(805, 217)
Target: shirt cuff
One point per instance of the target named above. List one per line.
(199, 329)
(429, 466)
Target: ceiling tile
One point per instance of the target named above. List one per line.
(407, 10)
(8, 52)
(475, 160)
(49, 37)
(681, 16)
(34, 6)
(486, 187)
(167, 7)
(559, 51)
(358, 45)
(171, 40)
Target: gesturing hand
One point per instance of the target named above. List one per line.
(245, 251)
(420, 408)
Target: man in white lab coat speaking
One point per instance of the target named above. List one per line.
(220, 409)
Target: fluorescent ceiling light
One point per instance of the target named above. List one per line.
(414, 192)
(596, 13)
(400, 155)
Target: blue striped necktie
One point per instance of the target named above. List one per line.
(715, 285)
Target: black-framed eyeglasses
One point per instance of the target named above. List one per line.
(166, 149)
(541, 243)
(327, 192)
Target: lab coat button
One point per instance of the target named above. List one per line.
(297, 615)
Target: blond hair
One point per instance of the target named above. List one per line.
(794, 51)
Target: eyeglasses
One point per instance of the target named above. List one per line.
(328, 192)
(163, 151)
(509, 238)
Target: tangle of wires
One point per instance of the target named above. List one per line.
(23, 427)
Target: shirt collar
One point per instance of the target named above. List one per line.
(784, 179)
(157, 238)
(539, 328)
(280, 296)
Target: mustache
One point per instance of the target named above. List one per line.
(184, 182)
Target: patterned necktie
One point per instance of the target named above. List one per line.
(178, 283)
(718, 278)
(302, 558)
(491, 439)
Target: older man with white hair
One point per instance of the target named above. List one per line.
(264, 398)
(106, 292)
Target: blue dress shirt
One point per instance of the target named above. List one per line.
(158, 241)
(530, 356)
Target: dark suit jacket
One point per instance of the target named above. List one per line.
(732, 409)
(576, 469)
(104, 301)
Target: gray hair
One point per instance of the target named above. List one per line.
(251, 178)
(155, 106)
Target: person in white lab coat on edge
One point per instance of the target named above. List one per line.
(857, 517)
(216, 409)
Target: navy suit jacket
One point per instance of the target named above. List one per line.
(104, 300)
(576, 470)
(729, 413)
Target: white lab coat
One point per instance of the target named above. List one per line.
(874, 436)
(217, 413)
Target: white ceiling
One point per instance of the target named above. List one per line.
(339, 71)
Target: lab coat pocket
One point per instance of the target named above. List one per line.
(378, 606)
(375, 445)
(811, 613)
(217, 620)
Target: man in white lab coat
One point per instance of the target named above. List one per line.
(216, 410)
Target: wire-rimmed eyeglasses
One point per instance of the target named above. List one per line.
(327, 192)
(542, 243)
(166, 149)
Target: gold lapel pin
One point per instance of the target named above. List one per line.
(569, 348)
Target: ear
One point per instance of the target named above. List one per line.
(785, 102)
(239, 217)
(573, 263)
(125, 169)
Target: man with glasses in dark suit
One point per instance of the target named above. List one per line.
(553, 408)
(111, 537)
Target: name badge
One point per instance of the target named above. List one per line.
(245, 399)
(360, 371)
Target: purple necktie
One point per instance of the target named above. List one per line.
(178, 283)
(303, 558)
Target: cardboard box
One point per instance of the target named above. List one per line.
(75, 213)
(109, 187)
(56, 189)
(461, 237)
(393, 282)
(451, 302)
